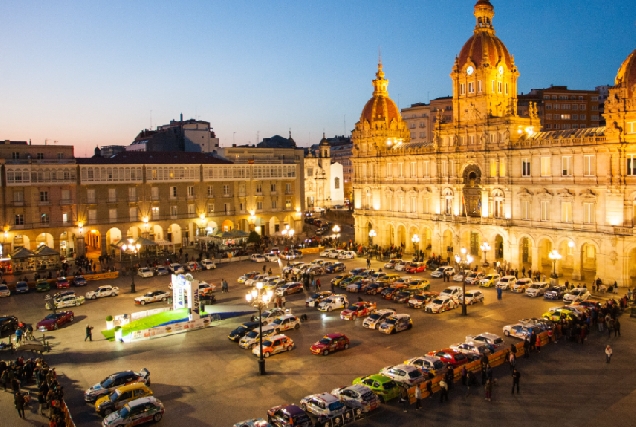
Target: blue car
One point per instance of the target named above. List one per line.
(335, 268)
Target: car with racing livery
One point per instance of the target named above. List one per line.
(554, 292)
(537, 289)
(384, 387)
(103, 291)
(441, 304)
(403, 374)
(374, 320)
(358, 309)
(152, 296)
(421, 299)
(106, 405)
(316, 298)
(118, 379)
(357, 396)
(450, 357)
(136, 412)
(396, 323)
(576, 295)
(239, 332)
(489, 280)
(323, 405)
(486, 338)
(288, 416)
(473, 297)
(285, 323)
(274, 344)
(330, 343)
(429, 364)
(252, 338)
(334, 302)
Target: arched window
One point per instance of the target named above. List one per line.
(336, 183)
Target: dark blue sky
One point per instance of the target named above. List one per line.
(90, 73)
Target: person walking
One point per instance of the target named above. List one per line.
(18, 335)
(617, 328)
(368, 262)
(89, 333)
(318, 284)
(418, 398)
(443, 389)
(537, 344)
(404, 397)
(488, 390)
(608, 354)
(19, 404)
(516, 376)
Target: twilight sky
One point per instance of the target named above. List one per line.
(96, 73)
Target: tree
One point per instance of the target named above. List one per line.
(254, 237)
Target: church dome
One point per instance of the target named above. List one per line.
(380, 106)
(626, 76)
(484, 48)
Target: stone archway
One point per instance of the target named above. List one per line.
(21, 241)
(113, 236)
(588, 261)
(498, 249)
(391, 235)
(447, 249)
(401, 236)
(44, 239)
(156, 232)
(544, 263)
(412, 232)
(525, 253)
(133, 232)
(274, 225)
(632, 268)
(174, 235)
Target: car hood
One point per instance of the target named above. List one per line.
(97, 388)
(318, 345)
(112, 419)
(46, 322)
(347, 311)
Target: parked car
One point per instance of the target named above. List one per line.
(285, 323)
(136, 412)
(537, 289)
(323, 405)
(8, 325)
(62, 283)
(420, 300)
(450, 357)
(358, 309)
(440, 271)
(152, 296)
(316, 298)
(489, 280)
(403, 374)
(252, 338)
(258, 258)
(274, 345)
(576, 295)
(208, 264)
(396, 323)
(79, 280)
(506, 283)
(106, 405)
(53, 321)
(64, 300)
(554, 292)
(391, 264)
(441, 304)
(118, 379)
(177, 268)
(473, 351)
(288, 416)
(452, 291)
(330, 343)
(239, 332)
(486, 338)
(21, 287)
(162, 271)
(42, 285)
(430, 364)
(289, 288)
(519, 330)
(384, 387)
(103, 291)
(5, 291)
(473, 278)
(334, 302)
(336, 267)
(473, 297)
(358, 397)
(416, 267)
(193, 266)
(268, 316)
(247, 276)
(374, 320)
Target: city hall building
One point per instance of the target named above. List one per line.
(492, 182)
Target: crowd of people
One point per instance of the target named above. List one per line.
(16, 375)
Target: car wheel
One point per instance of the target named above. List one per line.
(143, 302)
(325, 352)
(55, 326)
(94, 297)
(277, 331)
(72, 318)
(163, 299)
(266, 355)
(297, 326)
(290, 348)
(328, 308)
(303, 407)
(77, 303)
(157, 417)
(107, 412)
(113, 294)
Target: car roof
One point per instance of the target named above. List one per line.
(278, 336)
(335, 335)
(327, 397)
(143, 401)
(133, 386)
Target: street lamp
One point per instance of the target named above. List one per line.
(464, 260)
(416, 241)
(259, 298)
(336, 233)
(131, 249)
(485, 247)
(372, 234)
(554, 255)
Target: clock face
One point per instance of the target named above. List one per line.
(501, 70)
(470, 70)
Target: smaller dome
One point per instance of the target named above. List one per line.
(626, 76)
(380, 106)
(324, 142)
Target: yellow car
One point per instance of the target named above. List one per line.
(423, 285)
(555, 315)
(116, 400)
(489, 281)
(339, 278)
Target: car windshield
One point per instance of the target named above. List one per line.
(389, 385)
(115, 396)
(335, 406)
(149, 294)
(353, 307)
(240, 329)
(325, 341)
(415, 374)
(535, 286)
(108, 381)
(438, 301)
(252, 334)
(51, 317)
(267, 343)
(278, 321)
(374, 316)
(391, 321)
(124, 412)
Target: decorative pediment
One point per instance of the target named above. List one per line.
(544, 193)
(524, 192)
(564, 192)
(587, 193)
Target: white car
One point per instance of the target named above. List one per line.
(323, 405)
(401, 266)
(441, 304)
(258, 258)
(506, 283)
(347, 255)
(255, 279)
(427, 363)
(357, 396)
(66, 300)
(537, 289)
(152, 296)
(452, 291)
(274, 344)
(326, 252)
(486, 338)
(459, 277)
(251, 339)
(268, 316)
(103, 291)
(271, 257)
(285, 323)
(518, 330)
(193, 266)
(473, 297)
(471, 349)
(403, 374)
(521, 285)
(145, 272)
(443, 270)
(177, 268)
(315, 299)
(208, 264)
(392, 263)
(4, 291)
(334, 302)
(576, 295)
(335, 254)
(374, 320)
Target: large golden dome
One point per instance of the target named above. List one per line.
(626, 76)
(484, 47)
(380, 106)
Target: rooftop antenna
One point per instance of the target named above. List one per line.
(46, 140)
(379, 55)
(150, 128)
(345, 125)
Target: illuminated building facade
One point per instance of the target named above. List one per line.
(491, 182)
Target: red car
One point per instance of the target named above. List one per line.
(416, 267)
(388, 293)
(358, 309)
(63, 283)
(54, 320)
(450, 357)
(329, 343)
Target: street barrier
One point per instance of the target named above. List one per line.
(100, 276)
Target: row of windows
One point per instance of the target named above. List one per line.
(565, 97)
(558, 126)
(44, 219)
(110, 174)
(252, 171)
(501, 87)
(566, 117)
(24, 175)
(581, 107)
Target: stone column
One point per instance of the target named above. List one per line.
(535, 258)
(577, 273)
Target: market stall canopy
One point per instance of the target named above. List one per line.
(233, 234)
(46, 251)
(22, 253)
(163, 242)
(139, 240)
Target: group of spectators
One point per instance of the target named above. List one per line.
(15, 375)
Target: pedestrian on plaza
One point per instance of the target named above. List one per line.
(516, 376)
(526, 347)
(18, 335)
(608, 354)
(418, 397)
(429, 389)
(19, 404)
(450, 377)
(488, 390)
(368, 262)
(617, 328)
(264, 269)
(318, 284)
(484, 375)
(537, 344)
(512, 359)
(89, 333)
(404, 397)
(443, 389)
(464, 376)
(283, 300)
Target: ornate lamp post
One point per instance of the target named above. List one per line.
(416, 242)
(336, 233)
(485, 247)
(131, 249)
(554, 255)
(259, 298)
(465, 261)
(372, 234)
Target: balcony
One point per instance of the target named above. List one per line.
(132, 198)
(44, 203)
(17, 203)
(228, 212)
(623, 231)
(66, 202)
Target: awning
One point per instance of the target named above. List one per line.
(22, 253)
(140, 241)
(45, 251)
(163, 243)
